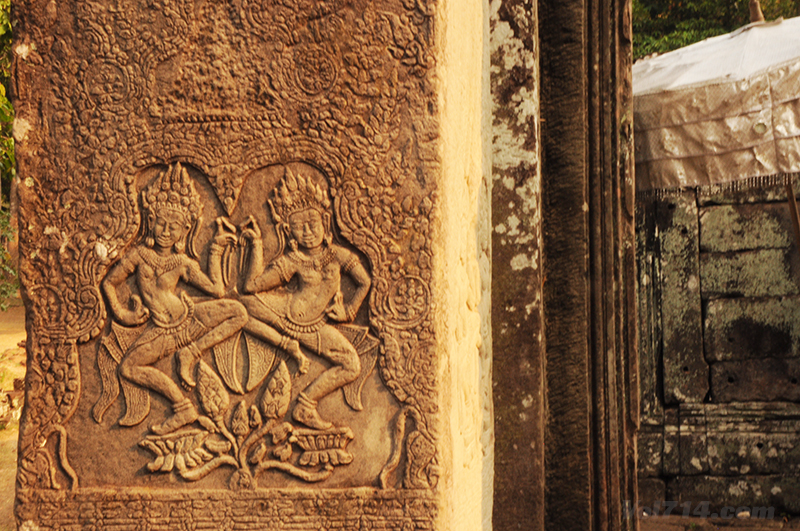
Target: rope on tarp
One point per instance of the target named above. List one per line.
(740, 185)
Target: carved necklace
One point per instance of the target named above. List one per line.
(160, 264)
(317, 263)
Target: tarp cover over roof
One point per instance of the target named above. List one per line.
(723, 109)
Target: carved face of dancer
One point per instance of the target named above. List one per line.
(169, 227)
(308, 228)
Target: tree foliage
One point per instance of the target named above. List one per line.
(663, 25)
(8, 274)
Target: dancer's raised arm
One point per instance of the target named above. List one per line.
(117, 276)
(212, 284)
(257, 278)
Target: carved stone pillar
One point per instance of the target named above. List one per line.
(517, 272)
(254, 254)
(250, 261)
(589, 292)
(564, 287)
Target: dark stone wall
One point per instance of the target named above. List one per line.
(720, 346)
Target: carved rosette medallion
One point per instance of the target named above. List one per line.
(409, 300)
(313, 69)
(107, 83)
(226, 215)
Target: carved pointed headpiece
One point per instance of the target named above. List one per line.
(173, 190)
(297, 192)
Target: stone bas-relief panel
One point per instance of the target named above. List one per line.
(230, 406)
(226, 222)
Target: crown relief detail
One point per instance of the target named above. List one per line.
(296, 193)
(173, 190)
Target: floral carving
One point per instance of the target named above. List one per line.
(252, 444)
(409, 299)
(314, 69)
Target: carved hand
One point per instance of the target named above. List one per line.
(138, 315)
(226, 233)
(251, 233)
(223, 240)
(336, 310)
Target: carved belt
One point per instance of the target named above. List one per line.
(182, 331)
(188, 313)
(294, 329)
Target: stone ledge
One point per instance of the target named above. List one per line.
(680, 523)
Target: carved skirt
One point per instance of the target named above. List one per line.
(170, 338)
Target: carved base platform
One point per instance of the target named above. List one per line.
(262, 509)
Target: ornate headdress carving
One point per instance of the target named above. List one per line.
(173, 190)
(296, 193)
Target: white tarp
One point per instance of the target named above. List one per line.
(723, 109)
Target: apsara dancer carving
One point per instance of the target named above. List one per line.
(174, 324)
(302, 212)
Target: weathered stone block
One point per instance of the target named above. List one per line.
(756, 380)
(780, 417)
(693, 440)
(671, 459)
(648, 269)
(740, 454)
(744, 328)
(741, 441)
(685, 369)
(650, 443)
(652, 492)
(742, 227)
(758, 273)
(779, 492)
(753, 438)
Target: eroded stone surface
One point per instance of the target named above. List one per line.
(740, 437)
(652, 492)
(517, 265)
(756, 273)
(650, 445)
(648, 270)
(777, 491)
(726, 453)
(747, 328)
(741, 227)
(758, 380)
(671, 460)
(693, 445)
(685, 372)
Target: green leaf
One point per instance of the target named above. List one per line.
(665, 25)
(8, 274)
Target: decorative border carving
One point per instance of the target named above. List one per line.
(268, 510)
